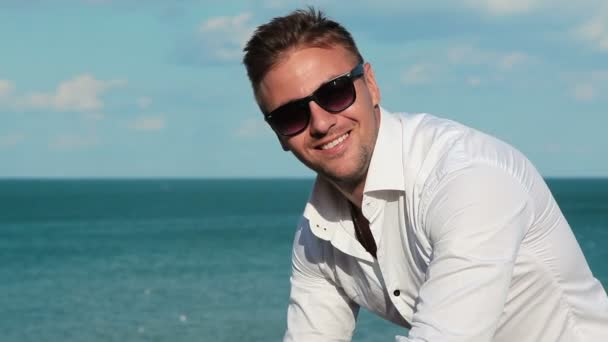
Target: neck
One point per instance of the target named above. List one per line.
(352, 192)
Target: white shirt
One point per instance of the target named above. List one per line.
(471, 247)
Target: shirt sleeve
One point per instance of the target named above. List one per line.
(318, 309)
(475, 222)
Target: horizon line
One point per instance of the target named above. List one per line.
(177, 178)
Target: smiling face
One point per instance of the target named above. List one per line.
(337, 146)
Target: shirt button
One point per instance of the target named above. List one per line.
(396, 293)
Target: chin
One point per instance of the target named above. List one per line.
(346, 172)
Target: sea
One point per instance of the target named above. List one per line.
(181, 259)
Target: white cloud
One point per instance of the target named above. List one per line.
(144, 102)
(465, 54)
(474, 81)
(505, 7)
(223, 38)
(510, 60)
(590, 85)
(595, 30)
(82, 93)
(419, 74)
(11, 139)
(456, 56)
(148, 123)
(470, 55)
(496, 63)
(584, 92)
(599, 75)
(274, 4)
(79, 94)
(73, 142)
(94, 116)
(6, 88)
(252, 128)
(98, 2)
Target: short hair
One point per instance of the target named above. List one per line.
(300, 28)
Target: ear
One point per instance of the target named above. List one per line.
(372, 86)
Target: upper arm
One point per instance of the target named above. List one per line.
(475, 222)
(318, 309)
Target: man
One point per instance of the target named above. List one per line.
(427, 223)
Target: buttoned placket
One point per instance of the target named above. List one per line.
(394, 288)
(372, 209)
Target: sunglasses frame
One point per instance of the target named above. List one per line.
(352, 75)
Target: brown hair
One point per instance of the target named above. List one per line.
(303, 27)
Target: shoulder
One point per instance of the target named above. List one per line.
(306, 244)
(440, 147)
(309, 253)
(439, 151)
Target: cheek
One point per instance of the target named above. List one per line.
(293, 144)
(362, 110)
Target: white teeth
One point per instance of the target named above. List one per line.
(334, 142)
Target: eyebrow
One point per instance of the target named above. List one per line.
(331, 78)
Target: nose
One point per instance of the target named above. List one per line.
(321, 120)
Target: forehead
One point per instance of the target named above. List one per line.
(301, 71)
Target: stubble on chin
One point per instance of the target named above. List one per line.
(348, 182)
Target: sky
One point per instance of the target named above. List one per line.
(146, 89)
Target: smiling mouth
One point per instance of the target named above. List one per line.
(335, 142)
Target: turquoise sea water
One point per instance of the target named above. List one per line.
(180, 260)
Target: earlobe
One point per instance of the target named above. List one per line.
(370, 81)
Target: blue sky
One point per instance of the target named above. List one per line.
(157, 89)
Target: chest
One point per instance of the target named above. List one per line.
(389, 285)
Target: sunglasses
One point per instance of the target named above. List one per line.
(333, 96)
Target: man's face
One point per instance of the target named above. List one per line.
(338, 146)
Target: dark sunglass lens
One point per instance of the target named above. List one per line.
(336, 95)
(290, 119)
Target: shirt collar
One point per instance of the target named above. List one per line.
(326, 207)
(386, 167)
